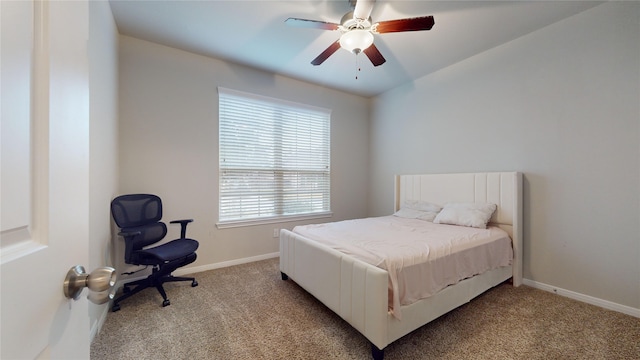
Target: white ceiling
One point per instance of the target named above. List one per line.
(253, 33)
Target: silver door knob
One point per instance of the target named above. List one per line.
(100, 283)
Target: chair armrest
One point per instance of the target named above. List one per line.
(129, 237)
(183, 226)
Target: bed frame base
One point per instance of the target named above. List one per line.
(376, 353)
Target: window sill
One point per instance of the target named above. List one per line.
(272, 220)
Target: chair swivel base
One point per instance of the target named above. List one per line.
(151, 281)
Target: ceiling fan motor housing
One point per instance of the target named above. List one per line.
(348, 22)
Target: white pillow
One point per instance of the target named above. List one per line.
(408, 213)
(414, 209)
(421, 205)
(475, 215)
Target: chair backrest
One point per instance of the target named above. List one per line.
(141, 213)
(136, 210)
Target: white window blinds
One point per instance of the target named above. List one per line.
(274, 158)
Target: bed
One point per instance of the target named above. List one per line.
(360, 292)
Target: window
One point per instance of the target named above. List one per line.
(274, 159)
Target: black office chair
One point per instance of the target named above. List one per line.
(138, 216)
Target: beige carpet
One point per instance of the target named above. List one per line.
(248, 312)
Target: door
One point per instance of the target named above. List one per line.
(44, 177)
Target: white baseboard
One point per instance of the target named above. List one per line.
(201, 268)
(584, 298)
(97, 326)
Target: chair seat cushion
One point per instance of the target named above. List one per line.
(170, 251)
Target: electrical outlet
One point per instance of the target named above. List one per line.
(276, 233)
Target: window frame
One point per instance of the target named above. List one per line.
(281, 217)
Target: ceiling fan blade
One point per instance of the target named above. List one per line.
(374, 55)
(313, 24)
(325, 54)
(412, 24)
(363, 9)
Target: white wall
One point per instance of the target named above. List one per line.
(103, 141)
(560, 105)
(169, 143)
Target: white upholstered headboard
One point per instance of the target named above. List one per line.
(501, 188)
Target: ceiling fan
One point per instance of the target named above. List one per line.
(358, 29)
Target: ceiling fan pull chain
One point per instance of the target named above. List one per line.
(357, 66)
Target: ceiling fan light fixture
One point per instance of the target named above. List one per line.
(356, 40)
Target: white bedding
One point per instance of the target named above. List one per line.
(421, 257)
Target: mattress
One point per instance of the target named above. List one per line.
(421, 257)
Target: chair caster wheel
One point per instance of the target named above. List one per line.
(115, 308)
(194, 283)
(166, 303)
